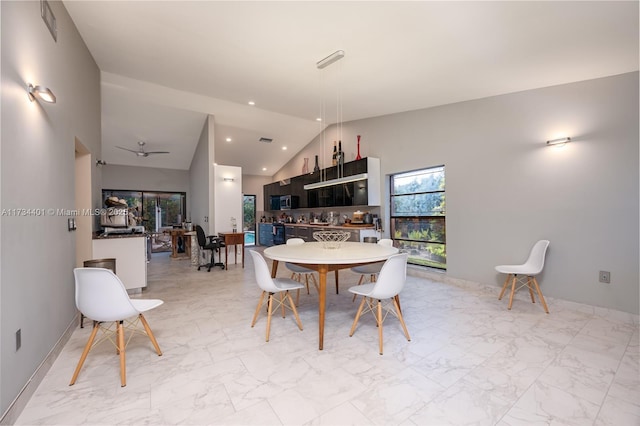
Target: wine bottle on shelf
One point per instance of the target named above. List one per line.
(316, 168)
(334, 159)
(340, 160)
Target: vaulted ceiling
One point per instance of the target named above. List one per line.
(166, 65)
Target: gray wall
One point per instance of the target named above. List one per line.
(37, 171)
(199, 178)
(506, 188)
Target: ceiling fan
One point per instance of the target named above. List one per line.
(141, 152)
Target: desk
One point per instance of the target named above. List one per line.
(313, 256)
(186, 242)
(232, 238)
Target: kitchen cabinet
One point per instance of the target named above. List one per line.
(130, 253)
(265, 234)
(364, 192)
(289, 232)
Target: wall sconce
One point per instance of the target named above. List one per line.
(101, 163)
(559, 141)
(42, 92)
(228, 179)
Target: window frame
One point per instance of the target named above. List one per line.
(410, 220)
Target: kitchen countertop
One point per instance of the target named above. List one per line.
(342, 226)
(111, 236)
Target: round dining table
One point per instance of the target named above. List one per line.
(314, 255)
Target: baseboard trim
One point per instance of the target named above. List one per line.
(10, 416)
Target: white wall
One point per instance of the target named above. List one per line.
(199, 179)
(227, 198)
(506, 188)
(37, 172)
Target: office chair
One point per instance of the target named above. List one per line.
(214, 244)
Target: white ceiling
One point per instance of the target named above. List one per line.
(167, 64)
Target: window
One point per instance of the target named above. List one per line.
(418, 216)
(154, 210)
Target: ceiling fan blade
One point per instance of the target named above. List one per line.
(127, 149)
(157, 152)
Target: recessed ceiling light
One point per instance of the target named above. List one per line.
(252, 103)
(284, 148)
(264, 169)
(318, 119)
(228, 139)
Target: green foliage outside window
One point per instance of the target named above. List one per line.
(418, 207)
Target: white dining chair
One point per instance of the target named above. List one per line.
(101, 296)
(528, 270)
(389, 284)
(271, 287)
(298, 271)
(372, 269)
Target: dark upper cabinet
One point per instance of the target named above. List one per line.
(297, 190)
(339, 195)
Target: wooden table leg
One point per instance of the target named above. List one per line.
(322, 298)
(337, 281)
(274, 269)
(243, 250)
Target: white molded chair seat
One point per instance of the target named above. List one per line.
(389, 284)
(272, 286)
(298, 271)
(372, 269)
(532, 267)
(101, 296)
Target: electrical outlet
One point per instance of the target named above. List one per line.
(605, 277)
(18, 338)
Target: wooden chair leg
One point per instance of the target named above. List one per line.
(544, 303)
(353, 299)
(533, 299)
(504, 287)
(355, 321)
(269, 308)
(306, 281)
(121, 349)
(282, 304)
(399, 312)
(85, 352)
(295, 311)
(145, 324)
(255, 315)
(379, 320)
(513, 290)
(315, 283)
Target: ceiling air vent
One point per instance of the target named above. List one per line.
(266, 140)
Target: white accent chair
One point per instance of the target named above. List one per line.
(389, 284)
(298, 271)
(373, 269)
(101, 296)
(272, 286)
(532, 267)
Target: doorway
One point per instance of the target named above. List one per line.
(249, 219)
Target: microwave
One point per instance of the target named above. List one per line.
(288, 202)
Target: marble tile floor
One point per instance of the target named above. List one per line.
(469, 361)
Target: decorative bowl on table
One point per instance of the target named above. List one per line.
(331, 239)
